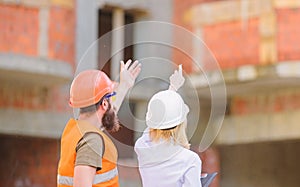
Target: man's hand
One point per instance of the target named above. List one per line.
(129, 72)
(176, 79)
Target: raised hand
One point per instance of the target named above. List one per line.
(176, 79)
(129, 72)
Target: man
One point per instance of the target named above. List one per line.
(88, 156)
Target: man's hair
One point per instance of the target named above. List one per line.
(93, 108)
(177, 135)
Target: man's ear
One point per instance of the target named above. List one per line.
(104, 105)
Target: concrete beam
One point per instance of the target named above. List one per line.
(86, 46)
(63, 3)
(260, 128)
(126, 5)
(268, 43)
(225, 11)
(34, 70)
(287, 3)
(43, 32)
(249, 78)
(32, 123)
(41, 3)
(233, 10)
(117, 42)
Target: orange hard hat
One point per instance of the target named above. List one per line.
(88, 87)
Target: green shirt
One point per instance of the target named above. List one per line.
(89, 150)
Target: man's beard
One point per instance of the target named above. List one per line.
(110, 120)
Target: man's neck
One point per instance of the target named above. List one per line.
(92, 119)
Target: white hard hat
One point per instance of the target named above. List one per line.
(166, 109)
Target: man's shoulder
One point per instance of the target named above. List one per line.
(92, 137)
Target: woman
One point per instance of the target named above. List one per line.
(163, 150)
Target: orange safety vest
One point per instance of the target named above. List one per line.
(73, 132)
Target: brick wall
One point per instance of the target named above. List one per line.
(179, 9)
(22, 96)
(19, 29)
(233, 43)
(30, 97)
(20, 34)
(222, 39)
(288, 38)
(237, 43)
(273, 102)
(62, 34)
(28, 162)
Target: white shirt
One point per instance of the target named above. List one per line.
(164, 164)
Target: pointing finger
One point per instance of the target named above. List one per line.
(180, 69)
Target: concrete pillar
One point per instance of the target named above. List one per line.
(43, 32)
(198, 51)
(86, 35)
(117, 43)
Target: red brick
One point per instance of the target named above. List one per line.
(288, 37)
(34, 98)
(232, 44)
(19, 29)
(179, 9)
(275, 103)
(180, 57)
(239, 106)
(62, 34)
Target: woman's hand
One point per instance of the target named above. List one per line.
(176, 79)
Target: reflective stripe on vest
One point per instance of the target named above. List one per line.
(99, 178)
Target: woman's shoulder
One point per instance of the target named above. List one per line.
(190, 156)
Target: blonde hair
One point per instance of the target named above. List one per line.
(177, 135)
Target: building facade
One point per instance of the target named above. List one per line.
(256, 46)
(37, 57)
(44, 43)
